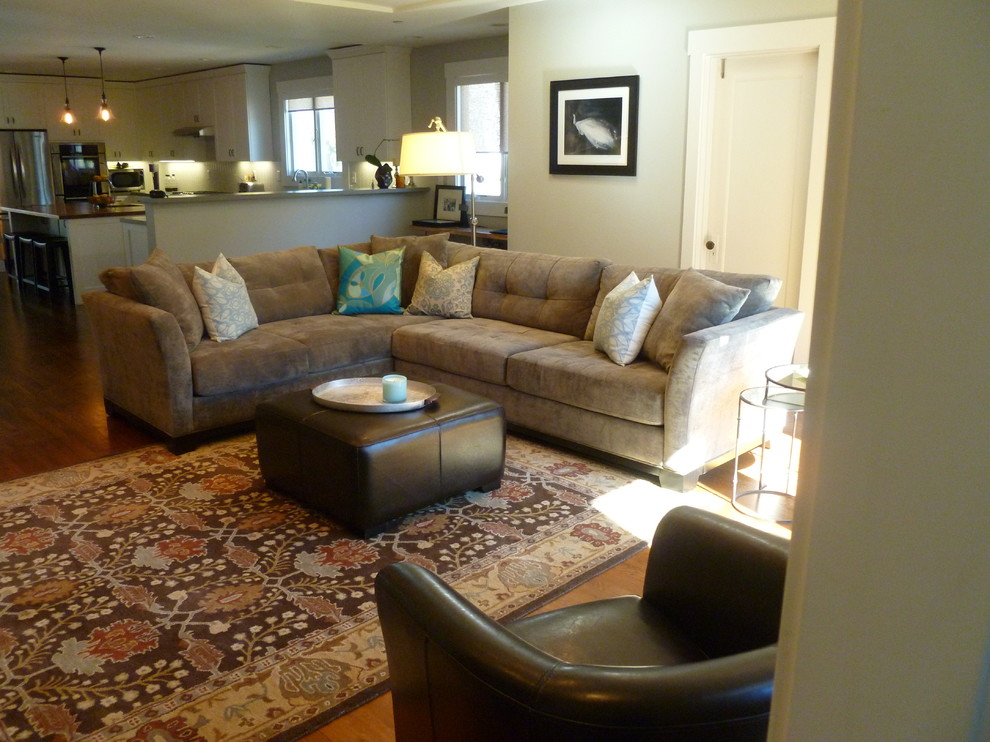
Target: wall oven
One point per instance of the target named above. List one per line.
(73, 166)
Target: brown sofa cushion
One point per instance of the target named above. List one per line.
(118, 281)
(548, 292)
(334, 341)
(256, 359)
(477, 348)
(576, 374)
(435, 244)
(763, 290)
(158, 283)
(286, 283)
(695, 302)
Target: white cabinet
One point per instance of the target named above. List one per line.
(164, 110)
(135, 234)
(234, 101)
(22, 105)
(371, 100)
(243, 122)
(121, 134)
(84, 100)
(196, 106)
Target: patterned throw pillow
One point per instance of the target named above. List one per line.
(370, 284)
(443, 292)
(224, 301)
(625, 317)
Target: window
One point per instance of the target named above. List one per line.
(308, 126)
(310, 135)
(477, 94)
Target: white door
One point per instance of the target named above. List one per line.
(761, 149)
(758, 108)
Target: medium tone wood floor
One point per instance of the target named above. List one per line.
(51, 415)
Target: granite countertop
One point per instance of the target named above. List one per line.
(75, 210)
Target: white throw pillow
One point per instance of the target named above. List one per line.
(224, 301)
(626, 315)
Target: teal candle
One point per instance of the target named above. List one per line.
(394, 388)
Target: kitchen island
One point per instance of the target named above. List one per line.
(95, 235)
(197, 228)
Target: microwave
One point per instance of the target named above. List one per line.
(127, 179)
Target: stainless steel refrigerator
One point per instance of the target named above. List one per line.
(25, 177)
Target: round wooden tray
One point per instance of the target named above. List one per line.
(365, 395)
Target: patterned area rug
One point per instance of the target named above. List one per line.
(153, 597)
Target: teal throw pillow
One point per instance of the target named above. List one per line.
(370, 284)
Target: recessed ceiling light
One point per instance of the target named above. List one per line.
(143, 36)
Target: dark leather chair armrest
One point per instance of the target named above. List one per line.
(457, 675)
(720, 580)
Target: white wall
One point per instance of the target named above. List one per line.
(629, 219)
(887, 610)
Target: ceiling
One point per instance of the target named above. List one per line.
(146, 39)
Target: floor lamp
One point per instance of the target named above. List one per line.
(441, 152)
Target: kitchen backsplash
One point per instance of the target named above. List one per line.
(214, 176)
(206, 176)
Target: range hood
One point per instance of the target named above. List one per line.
(194, 131)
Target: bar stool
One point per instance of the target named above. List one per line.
(8, 253)
(53, 272)
(27, 267)
(14, 256)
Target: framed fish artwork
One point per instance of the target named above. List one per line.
(594, 125)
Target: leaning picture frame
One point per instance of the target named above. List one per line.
(594, 125)
(448, 203)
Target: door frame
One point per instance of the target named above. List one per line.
(706, 50)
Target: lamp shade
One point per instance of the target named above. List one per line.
(437, 153)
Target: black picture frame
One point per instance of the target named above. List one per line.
(594, 125)
(448, 203)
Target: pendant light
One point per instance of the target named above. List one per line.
(104, 113)
(67, 117)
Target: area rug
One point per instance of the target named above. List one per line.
(157, 597)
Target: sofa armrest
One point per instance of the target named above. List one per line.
(711, 368)
(144, 361)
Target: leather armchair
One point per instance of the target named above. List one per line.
(691, 660)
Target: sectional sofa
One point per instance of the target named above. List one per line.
(529, 344)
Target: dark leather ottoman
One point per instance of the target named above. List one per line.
(364, 469)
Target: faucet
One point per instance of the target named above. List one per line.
(305, 177)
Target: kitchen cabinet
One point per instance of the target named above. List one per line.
(164, 110)
(243, 124)
(135, 236)
(371, 100)
(23, 105)
(121, 134)
(195, 102)
(84, 99)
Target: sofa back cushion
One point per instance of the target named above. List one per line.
(286, 283)
(548, 292)
(159, 283)
(762, 289)
(435, 244)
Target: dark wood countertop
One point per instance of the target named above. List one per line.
(75, 210)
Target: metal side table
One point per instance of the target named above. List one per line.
(781, 397)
